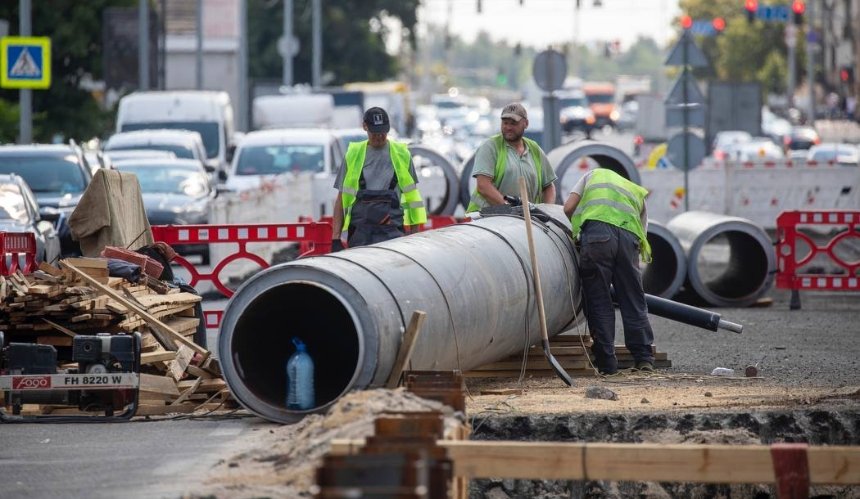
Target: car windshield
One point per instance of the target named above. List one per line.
(179, 151)
(601, 98)
(208, 130)
(844, 153)
(12, 205)
(169, 179)
(54, 174)
(273, 160)
(572, 101)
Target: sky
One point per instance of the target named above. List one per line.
(540, 23)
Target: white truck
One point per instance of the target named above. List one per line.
(209, 113)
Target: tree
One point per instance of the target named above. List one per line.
(66, 109)
(356, 53)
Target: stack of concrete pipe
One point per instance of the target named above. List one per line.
(687, 250)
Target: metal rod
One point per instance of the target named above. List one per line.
(199, 46)
(143, 44)
(25, 95)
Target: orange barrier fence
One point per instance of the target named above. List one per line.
(793, 266)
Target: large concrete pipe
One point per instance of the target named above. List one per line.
(730, 261)
(567, 160)
(426, 159)
(665, 275)
(350, 308)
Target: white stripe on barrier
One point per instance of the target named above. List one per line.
(203, 234)
(184, 235)
(223, 234)
(300, 232)
(242, 233)
(262, 233)
(282, 232)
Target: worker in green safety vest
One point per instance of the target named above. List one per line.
(377, 188)
(502, 159)
(608, 215)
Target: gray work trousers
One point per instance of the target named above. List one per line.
(609, 255)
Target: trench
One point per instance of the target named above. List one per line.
(815, 427)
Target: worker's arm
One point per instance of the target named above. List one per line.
(337, 217)
(488, 191)
(570, 204)
(549, 193)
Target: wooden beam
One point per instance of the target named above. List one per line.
(703, 463)
(156, 324)
(406, 347)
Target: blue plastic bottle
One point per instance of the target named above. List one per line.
(300, 378)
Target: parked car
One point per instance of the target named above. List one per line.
(139, 154)
(58, 175)
(19, 212)
(175, 192)
(183, 143)
(267, 153)
(843, 154)
(758, 149)
(727, 140)
(801, 137)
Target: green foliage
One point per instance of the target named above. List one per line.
(356, 53)
(75, 29)
(773, 74)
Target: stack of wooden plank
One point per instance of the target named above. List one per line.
(52, 305)
(571, 351)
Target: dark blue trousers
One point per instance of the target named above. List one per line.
(610, 256)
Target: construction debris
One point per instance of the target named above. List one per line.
(52, 305)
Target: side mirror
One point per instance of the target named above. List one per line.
(231, 150)
(222, 176)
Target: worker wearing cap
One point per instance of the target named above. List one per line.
(503, 159)
(377, 188)
(607, 213)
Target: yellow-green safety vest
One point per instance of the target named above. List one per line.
(414, 212)
(502, 162)
(611, 198)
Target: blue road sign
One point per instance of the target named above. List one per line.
(25, 62)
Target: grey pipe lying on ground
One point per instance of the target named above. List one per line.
(730, 261)
(351, 308)
(665, 275)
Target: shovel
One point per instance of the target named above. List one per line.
(524, 195)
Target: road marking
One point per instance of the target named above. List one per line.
(226, 432)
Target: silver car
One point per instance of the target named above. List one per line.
(19, 212)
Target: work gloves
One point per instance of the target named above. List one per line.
(513, 200)
(336, 245)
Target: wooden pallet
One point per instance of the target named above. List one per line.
(571, 351)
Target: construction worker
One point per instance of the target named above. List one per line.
(502, 159)
(377, 188)
(607, 213)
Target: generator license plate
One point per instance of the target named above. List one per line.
(102, 381)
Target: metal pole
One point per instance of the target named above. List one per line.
(143, 45)
(288, 42)
(792, 64)
(199, 46)
(242, 105)
(317, 44)
(686, 117)
(26, 95)
(810, 66)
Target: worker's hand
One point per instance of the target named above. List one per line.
(337, 245)
(513, 200)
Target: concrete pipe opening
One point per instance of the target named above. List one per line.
(731, 260)
(665, 275)
(300, 310)
(572, 160)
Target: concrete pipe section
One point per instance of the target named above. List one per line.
(730, 261)
(575, 158)
(437, 180)
(351, 308)
(665, 275)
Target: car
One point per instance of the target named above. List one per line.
(628, 115)
(574, 113)
(58, 175)
(727, 140)
(139, 154)
(183, 143)
(758, 149)
(97, 159)
(801, 137)
(267, 153)
(175, 192)
(19, 212)
(842, 154)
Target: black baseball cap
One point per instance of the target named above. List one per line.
(376, 120)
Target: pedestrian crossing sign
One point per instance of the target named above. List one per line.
(25, 62)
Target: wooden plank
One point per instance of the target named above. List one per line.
(158, 384)
(156, 324)
(87, 263)
(57, 341)
(404, 353)
(171, 299)
(176, 367)
(208, 385)
(188, 392)
(60, 328)
(152, 357)
(50, 269)
(200, 373)
(701, 463)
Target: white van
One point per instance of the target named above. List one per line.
(209, 113)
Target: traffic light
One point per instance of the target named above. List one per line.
(719, 24)
(479, 6)
(846, 74)
(686, 21)
(797, 8)
(751, 7)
